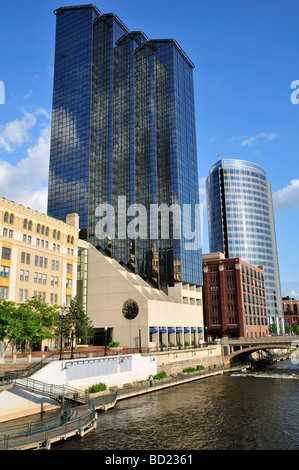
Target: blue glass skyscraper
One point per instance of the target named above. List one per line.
(241, 223)
(123, 125)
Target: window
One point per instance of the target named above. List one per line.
(25, 224)
(11, 219)
(6, 253)
(4, 272)
(35, 278)
(69, 268)
(30, 225)
(20, 295)
(5, 232)
(22, 275)
(40, 278)
(69, 283)
(36, 261)
(45, 279)
(6, 217)
(28, 258)
(25, 294)
(3, 293)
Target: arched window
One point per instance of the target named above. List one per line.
(58, 235)
(295, 308)
(6, 217)
(47, 231)
(38, 228)
(43, 230)
(25, 224)
(68, 239)
(54, 233)
(29, 225)
(11, 219)
(72, 240)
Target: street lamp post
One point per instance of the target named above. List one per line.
(105, 353)
(72, 343)
(62, 315)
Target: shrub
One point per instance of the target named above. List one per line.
(114, 344)
(189, 369)
(199, 367)
(97, 388)
(162, 375)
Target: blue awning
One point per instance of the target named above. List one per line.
(171, 330)
(153, 330)
(162, 330)
(193, 330)
(178, 330)
(199, 330)
(186, 330)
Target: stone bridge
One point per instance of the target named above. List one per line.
(238, 348)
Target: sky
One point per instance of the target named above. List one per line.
(245, 54)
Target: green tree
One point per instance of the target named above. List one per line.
(273, 328)
(9, 323)
(77, 319)
(31, 322)
(295, 328)
(39, 320)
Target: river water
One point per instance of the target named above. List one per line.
(254, 410)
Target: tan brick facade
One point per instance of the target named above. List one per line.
(38, 255)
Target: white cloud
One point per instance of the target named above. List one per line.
(16, 132)
(287, 198)
(261, 135)
(293, 294)
(25, 182)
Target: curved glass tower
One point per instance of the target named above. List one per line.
(241, 223)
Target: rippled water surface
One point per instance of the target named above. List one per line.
(243, 411)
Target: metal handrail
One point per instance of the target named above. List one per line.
(14, 437)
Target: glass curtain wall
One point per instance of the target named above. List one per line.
(241, 223)
(124, 127)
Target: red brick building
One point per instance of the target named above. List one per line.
(233, 297)
(290, 311)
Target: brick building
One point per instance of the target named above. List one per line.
(234, 298)
(290, 311)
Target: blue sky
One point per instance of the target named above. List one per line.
(246, 57)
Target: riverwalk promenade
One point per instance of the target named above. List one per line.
(77, 418)
(80, 411)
